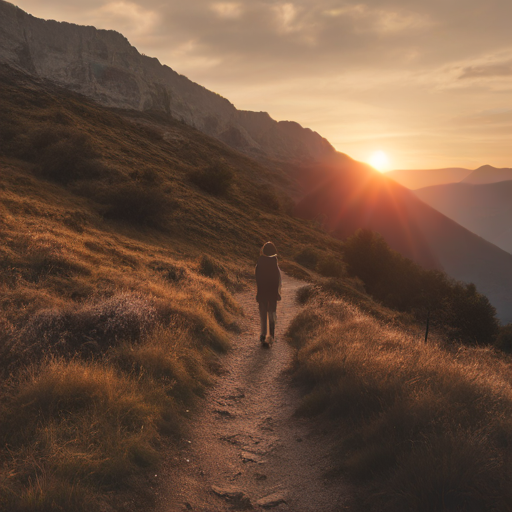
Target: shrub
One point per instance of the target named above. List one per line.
(135, 203)
(216, 179)
(330, 266)
(504, 338)
(268, 198)
(308, 257)
(209, 267)
(169, 271)
(62, 155)
(305, 294)
(93, 327)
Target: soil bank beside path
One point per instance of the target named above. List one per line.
(245, 448)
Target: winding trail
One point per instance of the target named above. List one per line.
(246, 449)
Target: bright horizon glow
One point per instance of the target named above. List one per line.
(379, 160)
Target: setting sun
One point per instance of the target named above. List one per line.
(379, 160)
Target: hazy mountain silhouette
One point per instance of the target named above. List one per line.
(488, 174)
(103, 65)
(419, 178)
(484, 209)
(353, 196)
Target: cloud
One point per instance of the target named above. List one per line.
(488, 70)
(129, 16)
(227, 10)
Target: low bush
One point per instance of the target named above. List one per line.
(91, 328)
(209, 267)
(61, 154)
(504, 338)
(135, 203)
(305, 294)
(268, 198)
(215, 179)
(169, 271)
(330, 266)
(308, 257)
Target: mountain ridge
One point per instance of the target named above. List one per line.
(484, 209)
(488, 174)
(104, 66)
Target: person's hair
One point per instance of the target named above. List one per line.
(269, 249)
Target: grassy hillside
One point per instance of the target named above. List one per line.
(119, 259)
(419, 427)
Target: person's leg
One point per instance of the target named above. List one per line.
(272, 317)
(263, 320)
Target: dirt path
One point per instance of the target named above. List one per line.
(246, 448)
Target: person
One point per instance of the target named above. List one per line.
(268, 282)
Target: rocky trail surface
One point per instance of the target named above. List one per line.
(246, 449)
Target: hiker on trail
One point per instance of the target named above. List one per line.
(268, 281)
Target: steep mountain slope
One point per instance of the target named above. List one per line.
(483, 209)
(355, 197)
(488, 174)
(419, 178)
(103, 65)
(145, 149)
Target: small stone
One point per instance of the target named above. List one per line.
(188, 506)
(260, 476)
(223, 413)
(299, 439)
(272, 500)
(251, 457)
(229, 493)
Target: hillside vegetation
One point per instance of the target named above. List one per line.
(117, 272)
(419, 427)
(124, 238)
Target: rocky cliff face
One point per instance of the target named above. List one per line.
(103, 65)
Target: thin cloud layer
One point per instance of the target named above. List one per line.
(385, 75)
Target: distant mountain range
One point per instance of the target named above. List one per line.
(488, 174)
(484, 209)
(420, 178)
(103, 65)
(342, 194)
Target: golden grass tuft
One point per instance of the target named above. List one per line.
(71, 422)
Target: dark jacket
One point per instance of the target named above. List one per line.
(268, 279)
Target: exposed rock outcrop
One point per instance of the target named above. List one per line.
(103, 65)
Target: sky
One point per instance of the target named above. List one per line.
(407, 84)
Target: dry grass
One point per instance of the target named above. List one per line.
(116, 282)
(424, 428)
